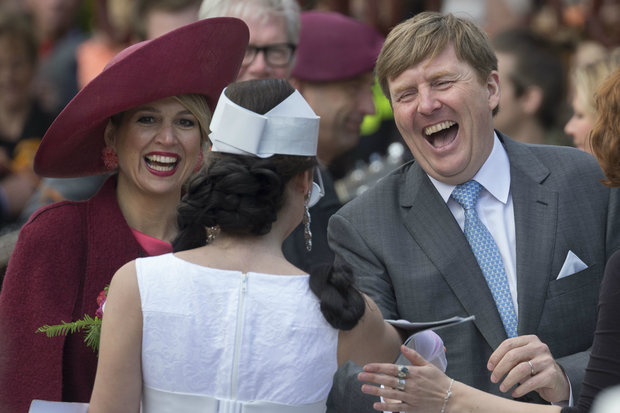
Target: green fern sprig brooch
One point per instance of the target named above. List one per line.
(91, 326)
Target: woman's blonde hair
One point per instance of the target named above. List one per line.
(588, 77)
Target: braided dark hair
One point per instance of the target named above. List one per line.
(240, 194)
(243, 194)
(342, 304)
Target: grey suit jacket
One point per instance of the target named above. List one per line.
(410, 255)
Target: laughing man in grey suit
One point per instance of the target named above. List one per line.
(552, 220)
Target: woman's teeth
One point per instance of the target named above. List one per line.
(161, 163)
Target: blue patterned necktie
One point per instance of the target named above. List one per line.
(487, 254)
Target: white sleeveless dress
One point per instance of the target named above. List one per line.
(218, 341)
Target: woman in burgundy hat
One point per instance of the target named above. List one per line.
(144, 120)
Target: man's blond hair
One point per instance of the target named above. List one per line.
(426, 35)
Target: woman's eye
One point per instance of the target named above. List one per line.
(187, 123)
(146, 119)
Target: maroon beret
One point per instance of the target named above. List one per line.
(202, 57)
(334, 47)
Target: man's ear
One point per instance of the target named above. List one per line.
(493, 89)
(532, 99)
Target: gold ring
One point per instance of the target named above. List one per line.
(402, 371)
(401, 384)
(532, 372)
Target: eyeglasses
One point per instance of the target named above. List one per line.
(279, 54)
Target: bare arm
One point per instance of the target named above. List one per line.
(371, 340)
(118, 383)
(426, 388)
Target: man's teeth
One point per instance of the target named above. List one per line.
(438, 127)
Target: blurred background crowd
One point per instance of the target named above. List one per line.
(552, 55)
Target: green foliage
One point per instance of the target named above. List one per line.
(91, 327)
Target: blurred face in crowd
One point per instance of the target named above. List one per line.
(16, 73)
(580, 124)
(157, 145)
(511, 111)
(342, 106)
(267, 31)
(443, 111)
(159, 21)
(53, 17)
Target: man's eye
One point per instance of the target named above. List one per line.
(406, 96)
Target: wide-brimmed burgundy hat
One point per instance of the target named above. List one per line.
(333, 47)
(202, 57)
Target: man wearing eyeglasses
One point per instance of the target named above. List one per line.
(274, 33)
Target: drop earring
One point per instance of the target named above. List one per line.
(307, 232)
(199, 162)
(109, 157)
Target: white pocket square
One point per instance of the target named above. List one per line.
(572, 264)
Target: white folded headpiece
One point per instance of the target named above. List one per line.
(291, 128)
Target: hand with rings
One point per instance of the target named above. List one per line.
(418, 387)
(527, 363)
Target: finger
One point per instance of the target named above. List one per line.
(520, 351)
(501, 351)
(518, 375)
(381, 379)
(413, 356)
(392, 407)
(537, 382)
(383, 368)
(391, 401)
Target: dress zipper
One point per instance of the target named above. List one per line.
(238, 333)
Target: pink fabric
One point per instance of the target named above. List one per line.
(152, 245)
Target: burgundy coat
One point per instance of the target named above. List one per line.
(66, 254)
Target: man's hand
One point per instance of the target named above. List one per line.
(527, 363)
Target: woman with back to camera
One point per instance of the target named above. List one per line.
(144, 119)
(428, 389)
(226, 322)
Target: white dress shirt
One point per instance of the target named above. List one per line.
(494, 207)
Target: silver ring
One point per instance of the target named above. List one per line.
(401, 384)
(532, 372)
(402, 371)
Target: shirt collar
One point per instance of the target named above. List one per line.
(494, 175)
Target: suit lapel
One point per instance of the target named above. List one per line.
(432, 225)
(535, 210)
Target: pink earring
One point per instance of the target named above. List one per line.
(110, 160)
(199, 162)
